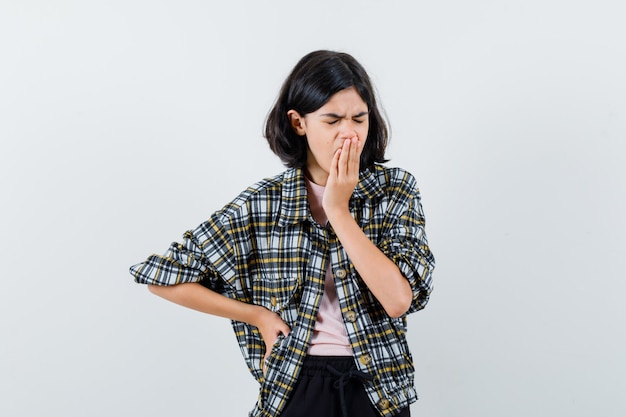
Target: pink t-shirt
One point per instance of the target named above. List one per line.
(329, 335)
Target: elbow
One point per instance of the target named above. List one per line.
(398, 310)
(156, 289)
(395, 314)
(399, 300)
(401, 305)
(168, 292)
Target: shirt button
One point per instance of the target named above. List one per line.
(350, 316)
(341, 273)
(273, 301)
(384, 403)
(366, 359)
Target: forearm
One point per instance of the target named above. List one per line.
(380, 274)
(200, 298)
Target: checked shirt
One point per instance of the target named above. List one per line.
(265, 248)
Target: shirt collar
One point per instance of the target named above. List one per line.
(294, 207)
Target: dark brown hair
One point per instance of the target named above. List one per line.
(312, 82)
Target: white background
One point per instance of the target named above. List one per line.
(124, 123)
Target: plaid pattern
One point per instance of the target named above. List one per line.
(265, 248)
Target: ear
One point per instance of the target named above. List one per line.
(297, 122)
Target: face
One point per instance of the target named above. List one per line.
(344, 116)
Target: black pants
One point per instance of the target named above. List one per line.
(317, 392)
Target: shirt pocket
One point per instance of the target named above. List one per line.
(278, 293)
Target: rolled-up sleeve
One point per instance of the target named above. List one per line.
(192, 260)
(406, 244)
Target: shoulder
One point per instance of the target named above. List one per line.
(393, 179)
(261, 196)
(255, 207)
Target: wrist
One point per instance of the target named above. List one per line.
(252, 314)
(338, 215)
(259, 315)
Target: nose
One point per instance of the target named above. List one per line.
(347, 131)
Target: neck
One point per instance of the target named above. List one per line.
(318, 176)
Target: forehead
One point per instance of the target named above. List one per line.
(345, 99)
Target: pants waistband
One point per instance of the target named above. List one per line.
(319, 365)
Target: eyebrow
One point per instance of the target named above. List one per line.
(339, 116)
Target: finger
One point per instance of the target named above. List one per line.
(267, 355)
(334, 165)
(360, 147)
(344, 157)
(285, 329)
(355, 153)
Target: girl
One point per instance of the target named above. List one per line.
(318, 266)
